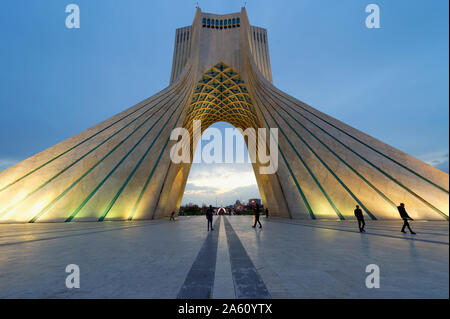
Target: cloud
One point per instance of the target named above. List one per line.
(439, 159)
(222, 182)
(442, 164)
(7, 162)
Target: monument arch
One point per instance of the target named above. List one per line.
(120, 169)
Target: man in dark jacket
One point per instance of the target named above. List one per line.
(257, 217)
(209, 217)
(360, 217)
(404, 215)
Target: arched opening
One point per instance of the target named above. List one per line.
(221, 100)
(222, 103)
(229, 183)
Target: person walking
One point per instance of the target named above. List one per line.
(209, 217)
(404, 215)
(257, 217)
(360, 217)
(267, 213)
(172, 216)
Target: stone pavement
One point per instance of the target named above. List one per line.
(284, 259)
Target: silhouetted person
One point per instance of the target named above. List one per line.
(209, 217)
(267, 213)
(404, 215)
(172, 216)
(360, 217)
(257, 217)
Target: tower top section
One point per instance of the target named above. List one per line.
(220, 21)
(214, 38)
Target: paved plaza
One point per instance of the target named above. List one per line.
(284, 259)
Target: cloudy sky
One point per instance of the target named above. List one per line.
(222, 183)
(391, 83)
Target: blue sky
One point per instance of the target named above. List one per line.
(391, 83)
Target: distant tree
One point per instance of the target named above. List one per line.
(192, 210)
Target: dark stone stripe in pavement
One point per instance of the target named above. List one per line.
(248, 284)
(199, 282)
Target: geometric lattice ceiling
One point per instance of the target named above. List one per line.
(221, 95)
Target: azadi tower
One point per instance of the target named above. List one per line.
(121, 169)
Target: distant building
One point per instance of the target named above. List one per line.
(238, 206)
(254, 201)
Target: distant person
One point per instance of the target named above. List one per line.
(172, 216)
(404, 215)
(209, 217)
(267, 212)
(360, 217)
(257, 217)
